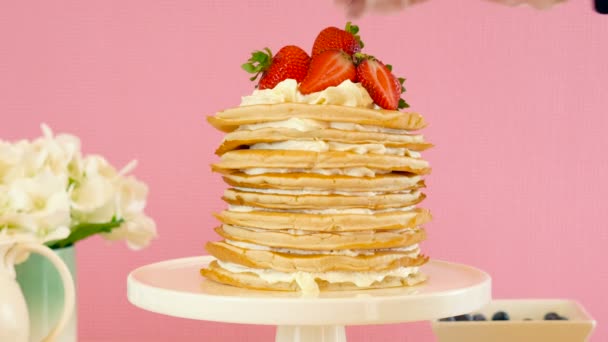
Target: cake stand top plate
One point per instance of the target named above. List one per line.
(176, 288)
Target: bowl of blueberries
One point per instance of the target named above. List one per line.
(521, 320)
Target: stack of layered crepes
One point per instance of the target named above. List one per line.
(322, 197)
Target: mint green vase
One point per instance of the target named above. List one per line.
(43, 292)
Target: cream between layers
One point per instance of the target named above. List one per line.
(362, 211)
(349, 252)
(306, 280)
(346, 94)
(320, 192)
(354, 171)
(322, 146)
(307, 125)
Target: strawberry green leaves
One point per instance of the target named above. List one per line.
(258, 63)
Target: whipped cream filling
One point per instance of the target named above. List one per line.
(353, 172)
(346, 93)
(307, 125)
(323, 192)
(305, 280)
(323, 146)
(329, 211)
(347, 252)
(306, 232)
(299, 124)
(349, 126)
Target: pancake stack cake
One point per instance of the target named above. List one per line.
(325, 174)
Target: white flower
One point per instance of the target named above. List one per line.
(94, 191)
(102, 194)
(47, 189)
(131, 197)
(38, 205)
(137, 230)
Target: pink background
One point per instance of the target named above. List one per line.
(516, 99)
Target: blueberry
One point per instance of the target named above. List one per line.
(500, 316)
(465, 317)
(552, 316)
(447, 319)
(479, 317)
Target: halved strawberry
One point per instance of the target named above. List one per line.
(383, 87)
(290, 62)
(333, 38)
(327, 69)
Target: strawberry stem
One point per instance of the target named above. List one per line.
(359, 57)
(354, 29)
(258, 63)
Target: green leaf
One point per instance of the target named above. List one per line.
(389, 67)
(403, 104)
(401, 80)
(354, 29)
(249, 68)
(258, 63)
(85, 230)
(259, 56)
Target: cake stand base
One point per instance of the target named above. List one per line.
(176, 288)
(328, 333)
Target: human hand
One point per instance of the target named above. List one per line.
(356, 8)
(538, 4)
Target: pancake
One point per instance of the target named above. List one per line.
(326, 222)
(253, 281)
(324, 240)
(308, 201)
(284, 262)
(248, 159)
(230, 119)
(240, 138)
(308, 181)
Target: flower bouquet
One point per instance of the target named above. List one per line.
(52, 194)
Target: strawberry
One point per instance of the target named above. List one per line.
(327, 69)
(290, 62)
(383, 87)
(331, 38)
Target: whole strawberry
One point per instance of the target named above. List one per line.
(328, 69)
(333, 38)
(290, 62)
(377, 78)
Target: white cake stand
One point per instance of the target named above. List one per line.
(176, 288)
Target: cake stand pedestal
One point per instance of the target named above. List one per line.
(176, 288)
